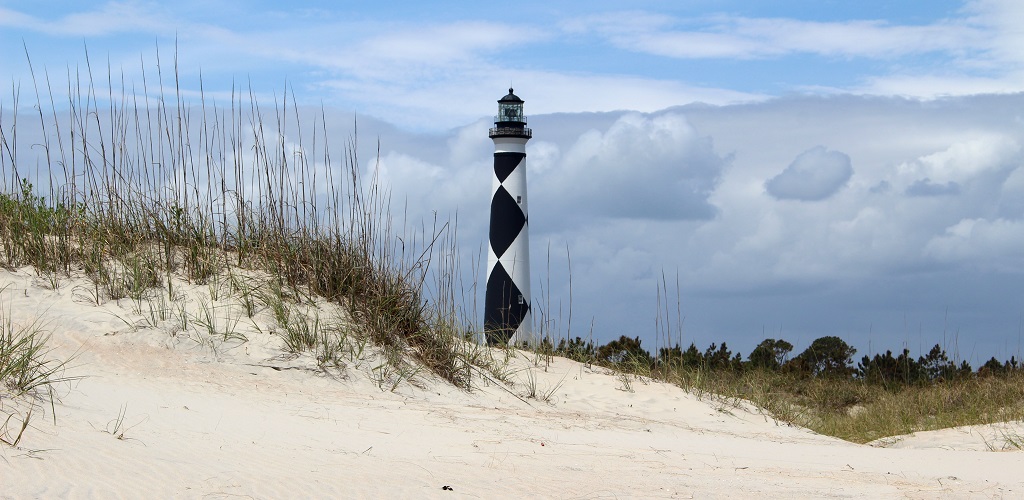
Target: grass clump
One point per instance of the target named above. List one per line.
(27, 377)
(24, 365)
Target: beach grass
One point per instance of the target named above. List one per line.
(857, 410)
(142, 190)
(28, 376)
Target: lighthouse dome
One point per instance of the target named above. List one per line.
(511, 97)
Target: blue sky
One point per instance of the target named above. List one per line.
(807, 168)
(404, 62)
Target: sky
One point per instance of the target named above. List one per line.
(798, 168)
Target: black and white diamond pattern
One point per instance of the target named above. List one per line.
(507, 300)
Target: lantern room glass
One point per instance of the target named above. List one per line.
(511, 112)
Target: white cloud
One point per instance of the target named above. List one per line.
(461, 94)
(814, 175)
(444, 44)
(967, 159)
(391, 52)
(745, 38)
(424, 75)
(975, 52)
(980, 165)
(873, 229)
(1003, 32)
(641, 167)
(987, 58)
(110, 18)
(430, 187)
(948, 83)
(997, 241)
(470, 143)
(13, 18)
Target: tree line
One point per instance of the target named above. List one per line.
(827, 356)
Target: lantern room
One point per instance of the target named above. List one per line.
(510, 122)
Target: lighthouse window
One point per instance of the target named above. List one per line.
(521, 301)
(519, 199)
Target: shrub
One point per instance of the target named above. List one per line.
(770, 354)
(622, 351)
(827, 356)
(577, 350)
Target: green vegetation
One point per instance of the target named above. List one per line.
(26, 371)
(821, 389)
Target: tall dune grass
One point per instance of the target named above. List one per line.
(857, 410)
(27, 369)
(140, 187)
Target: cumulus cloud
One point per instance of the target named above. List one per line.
(964, 161)
(642, 167)
(814, 175)
(975, 167)
(998, 240)
(875, 231)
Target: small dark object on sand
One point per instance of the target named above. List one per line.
(447, 488)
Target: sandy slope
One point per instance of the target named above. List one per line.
(236, 420)
(1005, 436)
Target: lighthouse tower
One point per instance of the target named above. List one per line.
(507, 301)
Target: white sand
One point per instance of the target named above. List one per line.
(222, 423)
(1004, 436)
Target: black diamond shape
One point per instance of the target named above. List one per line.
(506, 163)
(502, 311)
(507, 220)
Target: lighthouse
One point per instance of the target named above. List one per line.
(507, 300)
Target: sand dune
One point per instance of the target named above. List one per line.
(161, 412)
